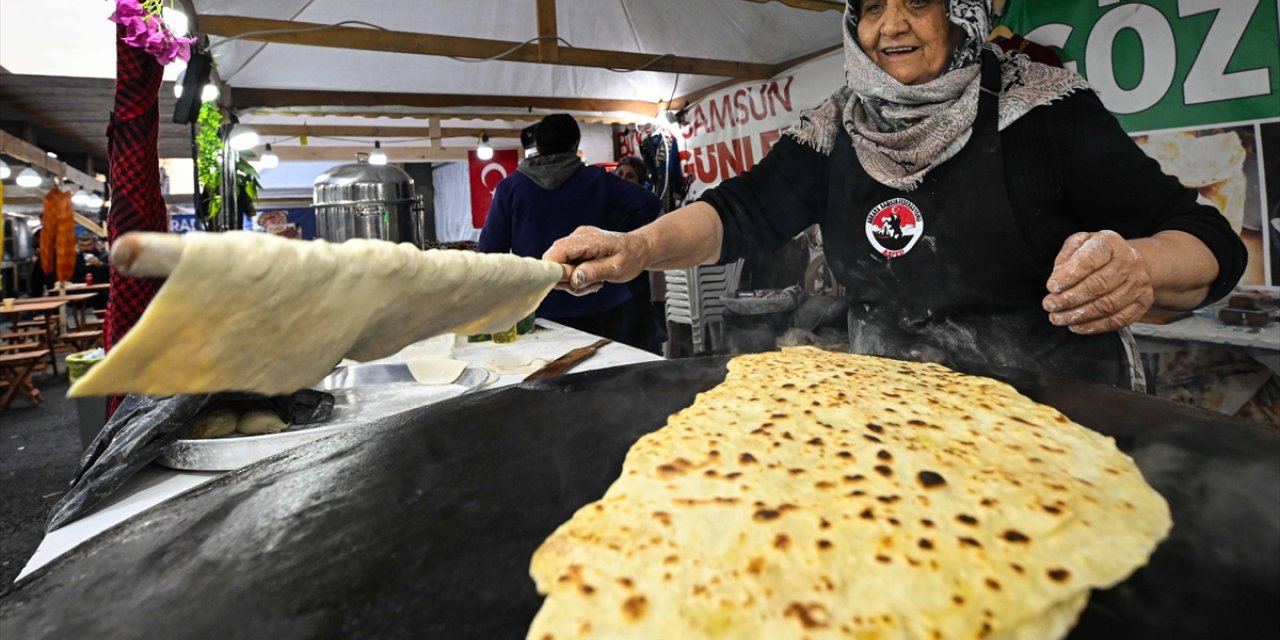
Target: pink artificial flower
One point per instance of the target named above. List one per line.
(149, 33)
(127, 9)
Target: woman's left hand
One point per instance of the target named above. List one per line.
(1100, 282)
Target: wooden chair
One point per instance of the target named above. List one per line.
(15, 376)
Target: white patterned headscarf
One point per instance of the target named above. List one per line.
(900, 132)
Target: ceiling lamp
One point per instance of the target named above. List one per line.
(269, 159)
(242, 138)
(29, 178)
(484, 151)
(209, 93)
(377, 157)
(95, 201)
(80, 199)
(176, 20)
(5, 171)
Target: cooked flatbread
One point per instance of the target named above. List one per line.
(247, 311)
(214, 424)
(260, 422)
(821, 495)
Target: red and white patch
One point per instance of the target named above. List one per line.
(894, 226)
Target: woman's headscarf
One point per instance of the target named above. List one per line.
(901, 132)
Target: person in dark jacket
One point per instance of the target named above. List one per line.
(982, 210)
(549, 196)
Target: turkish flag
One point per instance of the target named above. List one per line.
(485, 176)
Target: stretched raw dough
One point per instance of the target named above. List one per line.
(260, 421)
(248, 311)
(214, 424)
(435, 370)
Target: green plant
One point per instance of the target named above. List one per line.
(209, 159)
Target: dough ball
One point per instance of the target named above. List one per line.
(260, 421)
(213, 424)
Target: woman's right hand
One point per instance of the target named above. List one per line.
(599, 256)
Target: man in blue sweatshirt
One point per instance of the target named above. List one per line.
(549, 196)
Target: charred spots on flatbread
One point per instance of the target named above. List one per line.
(930, 479)
(782, 542)
(1059, 574)
(857, 477)
(872, 439)
(765, 515)
(965, 518)
(1015, 536)
(969, 542)
(925, 544)
(746, 458)
(810, 616)
(884, 470)
(635, 608)
(884, 455)
(875, 427)
(824, 544)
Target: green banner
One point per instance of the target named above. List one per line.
(1165, 64)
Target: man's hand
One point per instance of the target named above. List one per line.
(1100, 283)
(598, 256)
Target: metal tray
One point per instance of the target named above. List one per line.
(364, 394)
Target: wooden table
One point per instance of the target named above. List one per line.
(49, 307)
(74, 299)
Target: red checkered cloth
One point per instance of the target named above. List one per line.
(136, 203)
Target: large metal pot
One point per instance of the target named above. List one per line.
(362, 200)
(17, 238)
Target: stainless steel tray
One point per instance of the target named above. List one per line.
(363, 394)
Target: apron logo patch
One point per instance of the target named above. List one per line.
(894, 226)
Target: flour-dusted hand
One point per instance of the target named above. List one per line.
(598, 256)
(1100, 282)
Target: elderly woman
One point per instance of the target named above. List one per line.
(981, 209)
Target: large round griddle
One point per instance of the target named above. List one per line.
(422, 526)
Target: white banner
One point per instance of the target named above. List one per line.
(729, 131)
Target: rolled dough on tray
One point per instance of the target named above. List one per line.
(246, 311)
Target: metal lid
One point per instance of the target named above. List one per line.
(361, 182)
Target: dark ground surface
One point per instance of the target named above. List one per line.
(39, 449)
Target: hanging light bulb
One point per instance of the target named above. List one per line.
(95, 201)
(377, 157)
(209, 93)
(483, 150)
(5, 171)
(80, 199)
(29, 178)
(269, 159)
(242, 138)
(176, 20)
(177, 83)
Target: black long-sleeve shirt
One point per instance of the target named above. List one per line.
(1068, 167)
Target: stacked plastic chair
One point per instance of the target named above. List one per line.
(695, 296)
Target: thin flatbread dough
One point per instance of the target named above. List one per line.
(435, 370)
(248, 311)
(214, 424)
(820, 495)
(260, 422)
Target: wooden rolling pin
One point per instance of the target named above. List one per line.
(156, 255)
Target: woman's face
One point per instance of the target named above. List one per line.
(626, 172)
(911, 40)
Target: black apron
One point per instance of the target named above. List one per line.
(943, 274)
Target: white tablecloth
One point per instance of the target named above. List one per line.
(155, 484)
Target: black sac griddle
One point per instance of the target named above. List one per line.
(422, 526)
